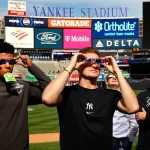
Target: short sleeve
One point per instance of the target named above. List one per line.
(117, 96)
(65, 93)
(61, 106)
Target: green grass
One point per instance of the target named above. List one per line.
(45, 146)
(137, 91)
(134, 144)
(55, 146)
(43, 119)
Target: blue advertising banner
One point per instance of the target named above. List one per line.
(48, 38)
(101, 77)
(117, 43)
(115, 28)
(26, 22)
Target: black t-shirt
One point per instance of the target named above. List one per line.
(144, 125)
(85, 117)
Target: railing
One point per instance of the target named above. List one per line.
(137, 78)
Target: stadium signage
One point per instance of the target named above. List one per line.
(13, 21)
(25, 22)
(48, 38)
(16, 8)
(80, 12)
(105, 28)
(117, 43)
(113, 26)
(101, 77)
(69, 23)
(77, 38)
(74, 77)
(20, 37)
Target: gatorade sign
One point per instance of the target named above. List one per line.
(69, 23)
(117, 43)
(115, 28)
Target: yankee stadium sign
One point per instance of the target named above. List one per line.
(83, 12)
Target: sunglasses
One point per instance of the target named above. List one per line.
(91, 60)
(111, 77)
(10, 61)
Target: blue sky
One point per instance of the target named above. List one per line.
(134, 7)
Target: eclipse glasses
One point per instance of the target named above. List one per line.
(10, 61)
(91, 60)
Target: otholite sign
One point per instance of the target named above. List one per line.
(48, 38)
(26, 22)
(69, 23)
(115, 28)
(117, 43)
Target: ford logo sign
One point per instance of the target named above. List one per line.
(48, 36)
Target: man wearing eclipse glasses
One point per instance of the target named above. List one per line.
(86, 110)
(15, 96)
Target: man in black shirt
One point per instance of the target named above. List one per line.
(143, 117)
(85, 110)
(15, 96)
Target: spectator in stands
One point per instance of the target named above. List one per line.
(86, 110)
(15, 96)
(49, 72)
(125, 127)
(143, 118)
(58, 72)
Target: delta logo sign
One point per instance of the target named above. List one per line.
(114, 28)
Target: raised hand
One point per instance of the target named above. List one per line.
(25, 61)
(110, 64)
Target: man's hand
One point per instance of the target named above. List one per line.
(110, 64)
(141, 115)
(25, 61)
(74, 64)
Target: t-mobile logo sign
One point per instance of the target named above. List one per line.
(77, 38)
(67, 38)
